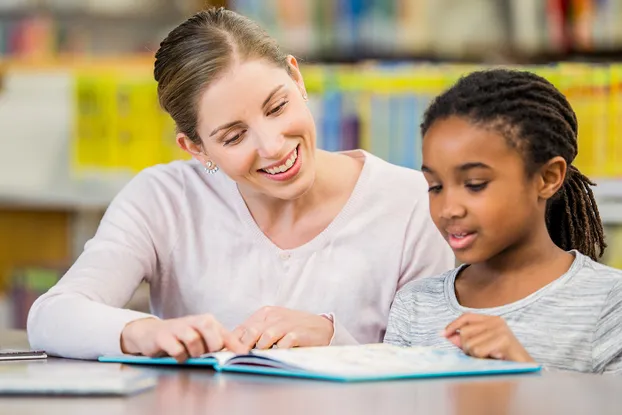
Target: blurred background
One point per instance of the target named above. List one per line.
(79, 113)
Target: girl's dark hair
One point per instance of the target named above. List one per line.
(199, 51)
(536, 119)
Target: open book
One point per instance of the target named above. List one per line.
(345, 363)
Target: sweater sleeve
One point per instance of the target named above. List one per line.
(607, 347)
(398, 327)
(82, 316)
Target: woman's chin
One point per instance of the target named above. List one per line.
(291, 190)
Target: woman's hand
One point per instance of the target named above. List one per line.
(486, 337)
(180, 338)
(284, 328)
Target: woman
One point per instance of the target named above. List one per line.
(260, 234)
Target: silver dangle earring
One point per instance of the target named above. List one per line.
(305, 96)
(210, 168)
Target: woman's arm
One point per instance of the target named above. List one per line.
(82, 315)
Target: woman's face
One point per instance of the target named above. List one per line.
(256, 127)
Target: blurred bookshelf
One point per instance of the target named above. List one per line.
(520, 31)
(80, 117)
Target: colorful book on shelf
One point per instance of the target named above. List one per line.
(371, 362)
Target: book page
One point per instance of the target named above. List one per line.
(221, 357)
(379, 359)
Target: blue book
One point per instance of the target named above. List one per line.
(370, 362)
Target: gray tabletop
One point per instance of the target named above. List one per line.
(197, 390)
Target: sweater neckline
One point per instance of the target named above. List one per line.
(326, 234)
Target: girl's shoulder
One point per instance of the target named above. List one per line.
(432, 286)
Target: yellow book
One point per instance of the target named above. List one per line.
(599, 111)
(111, 154)
(613, 254)
(574, 83)
(120, 144)
(614, 116)
(146, 124)
(93, 124)
(169, 151)
(84, 128)
(137, 144)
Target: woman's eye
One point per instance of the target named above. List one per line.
(435, 189)
(278, 108)
(235, 138)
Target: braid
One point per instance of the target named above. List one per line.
(537, 119)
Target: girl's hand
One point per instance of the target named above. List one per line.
(486, 337)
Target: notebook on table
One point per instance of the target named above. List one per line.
(43, 378)
(371, 362)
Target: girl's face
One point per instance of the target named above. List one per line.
(481, 199)
(256, 127)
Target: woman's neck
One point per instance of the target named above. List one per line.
(309, 214)
(514, 273)
(271, 209)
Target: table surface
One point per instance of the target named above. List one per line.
(200, 390)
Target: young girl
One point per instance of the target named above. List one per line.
(497, 152)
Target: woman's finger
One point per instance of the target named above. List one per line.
(271, 336)
(192, 341)
(172, 347)
(288, 341)
(232, 342)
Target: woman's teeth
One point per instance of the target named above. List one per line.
(285, 166)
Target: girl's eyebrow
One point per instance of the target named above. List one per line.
(462, 168)
(473, 165)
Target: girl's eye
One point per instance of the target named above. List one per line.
(435, 189)
(278, 108)
(476, 187)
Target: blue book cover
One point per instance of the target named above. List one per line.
(332, 121)
(394, 135)
(421, 103)
(370, 362)
(380, 126)
(411, 133)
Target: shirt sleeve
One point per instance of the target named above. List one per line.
(398, 328)
(82, 315)
(341, 335)
(607, 346)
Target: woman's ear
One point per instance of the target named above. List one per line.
(294, 71)
(190, 147)
(552, 176)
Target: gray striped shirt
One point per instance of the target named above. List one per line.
(574, 323)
